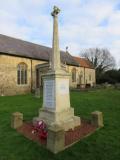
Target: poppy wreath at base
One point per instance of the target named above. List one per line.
(41, 129)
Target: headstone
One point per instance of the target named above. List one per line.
(37, 92)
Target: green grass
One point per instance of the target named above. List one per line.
(104, 144)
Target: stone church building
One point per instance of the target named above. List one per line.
(23, 63)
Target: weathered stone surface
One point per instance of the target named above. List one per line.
(77, 121)
(65, 118)
(55, 58)
(16, 120)
(97, 119)
(56, 138)
(8, 75)
(56, 97)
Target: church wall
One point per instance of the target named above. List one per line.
(90, 76)
(69, 69)
(83, 76)
(8, 75)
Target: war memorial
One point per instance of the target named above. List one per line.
(62, 127)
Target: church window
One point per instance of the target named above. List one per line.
(21, 74)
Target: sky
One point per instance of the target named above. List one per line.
(82, 23)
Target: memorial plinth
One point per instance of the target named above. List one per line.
(56, 109)
(56, 102)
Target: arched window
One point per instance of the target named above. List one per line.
(73, 75)
(22, 73)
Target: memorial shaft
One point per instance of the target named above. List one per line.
(56, 108)
(55, 57)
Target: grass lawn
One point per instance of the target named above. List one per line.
(104, 144)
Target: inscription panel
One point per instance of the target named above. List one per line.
(49, 87)
(63, 86)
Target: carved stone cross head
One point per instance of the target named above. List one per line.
(56, 11)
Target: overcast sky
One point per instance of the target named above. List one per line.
(82, 23)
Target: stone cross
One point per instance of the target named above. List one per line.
(56, 111)
(55, 57)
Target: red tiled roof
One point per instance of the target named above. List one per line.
(83, 62)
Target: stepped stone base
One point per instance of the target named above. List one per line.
(65, 118)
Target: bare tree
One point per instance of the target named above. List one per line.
(101, 59)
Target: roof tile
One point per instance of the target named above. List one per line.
(83, 62)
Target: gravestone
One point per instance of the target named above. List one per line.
(56, 107)
(37, 92)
